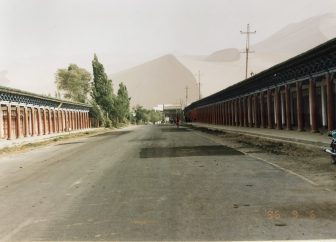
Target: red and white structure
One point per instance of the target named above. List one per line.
(24, 114)
(298, 94)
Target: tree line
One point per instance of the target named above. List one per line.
(107, 108)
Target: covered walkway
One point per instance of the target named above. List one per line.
(24, 114)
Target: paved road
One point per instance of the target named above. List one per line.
(156, 183)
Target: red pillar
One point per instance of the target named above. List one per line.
(26, 126)
(33, 123)
(330, 102)
(55, 121)
(240, 112)
(236, 112)
(312, 105)
(39, 128)
(256, 111)
(278, 107)
(9, 121)
(232, 112)
(45, 121)
(249, 104)
(269, 109)
(245, 99)
(49, 120)
(299, 105)
(262, 111)
(18, 130)
(288, 109)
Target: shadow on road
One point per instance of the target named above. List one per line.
(215, 150)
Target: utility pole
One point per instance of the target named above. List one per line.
(199, 84)
(186, 95)
(247, 50)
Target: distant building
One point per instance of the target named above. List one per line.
(171, 111)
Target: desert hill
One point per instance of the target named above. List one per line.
(160, 81)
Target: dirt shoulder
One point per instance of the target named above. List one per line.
(52, 140)
(307, 161)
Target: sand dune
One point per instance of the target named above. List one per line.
(225, 55)
(160, 81)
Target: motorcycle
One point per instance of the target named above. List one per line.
(332, 149)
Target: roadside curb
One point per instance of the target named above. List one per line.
(301, 142)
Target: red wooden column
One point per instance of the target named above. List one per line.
(269, 109)
(44, 121)
(232, 112)
(73, 124)
(278, 107)
(240, 113)
(256, 111)
(225, 113)
(216, 113)
(236, 112)
(229, 113)
(72, 120)
(33, 124)
(26, 125)
(76, 120)
(39, 128)
(219, 113)
(262, 111)
(312, 105)
(82, 119)
(50, 122)
(55, 121)
(245, 111)
(17, 124)
(299, 105)
(288, 109)
(61, 123)
(9, 121)
(249, 106)
(330, 102)
(66, 119)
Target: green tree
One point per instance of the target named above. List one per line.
(74, 82)
(155, 116)
(140, 114)
(122, 103)
(102, 91)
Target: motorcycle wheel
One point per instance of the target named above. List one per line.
(333, 160)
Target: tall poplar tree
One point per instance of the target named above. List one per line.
(102, 91)
(122, 103)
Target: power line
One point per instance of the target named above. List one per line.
(247, 50)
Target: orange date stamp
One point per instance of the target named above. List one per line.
(273, 214)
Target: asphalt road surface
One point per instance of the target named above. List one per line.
(156, 183)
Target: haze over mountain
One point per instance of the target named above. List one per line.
(221, 68)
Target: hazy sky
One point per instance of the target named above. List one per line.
(38, 36)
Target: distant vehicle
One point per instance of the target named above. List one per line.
(332, 149)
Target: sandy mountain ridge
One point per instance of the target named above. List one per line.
(164, 79)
